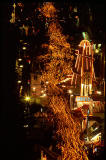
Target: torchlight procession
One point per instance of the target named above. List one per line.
(56, 80)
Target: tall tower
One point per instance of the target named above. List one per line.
(87, 69)
(84, 66)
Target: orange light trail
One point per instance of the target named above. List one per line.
(68, 128)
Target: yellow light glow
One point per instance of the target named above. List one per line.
(47, 82)
(27, 98)
(70, 91)
(90, 85)
(24, 48)
(42, 91)
(63, 86)
(20, 59)
(19, 81)
(44, 95)
(25, 43)
(96, 51)
(26, 126)
(21, 66)
(21, 40)
(34, 88)
(96, 138)
(99, 92)
(99, 45)
(65, 80)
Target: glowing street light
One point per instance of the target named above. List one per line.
(42, 91)
(63, 86)
(21, 66)
(20, 59)
(96, 51)
(27, 98)
(99, 45)
(99, 92)
(47, 82)
(19, 81)
(65, 80)
(69, 91)
(24, 48)
(44, 95)
(34, 88)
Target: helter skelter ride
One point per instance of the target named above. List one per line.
(84, 76)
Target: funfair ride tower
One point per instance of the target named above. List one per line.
(84, 65)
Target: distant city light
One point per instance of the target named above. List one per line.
(96, 128)
(69, 91)
(27, 98)
(95, 149)
(47, 82)
(94, 46)
(34, 88)
(96, 51)
(44, 95)
(96, 138)
(25, 43)
(42, 91)
(21, 66)
(21, 40)
(99, 92)
(63, 86)
(75, 9)
(76, 17)
(26, 126)
(65, 80)
(24, 48)
(19, 81)
(20, 59)
(21, 87)
(41, 109)
(99, 45)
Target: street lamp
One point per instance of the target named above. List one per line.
(24, 48)
(27, 99)
(99, 92)
(69, 91)
(71, 98)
